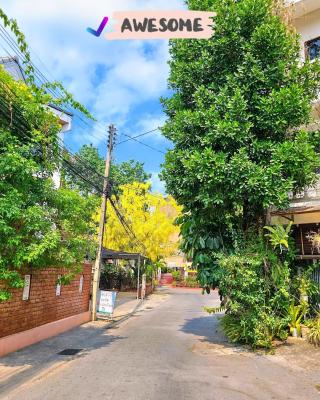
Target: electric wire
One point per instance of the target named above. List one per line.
(22, 123)
(137, 136)
(55, 92)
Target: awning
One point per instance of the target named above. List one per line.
(108, 254)
(296, 210)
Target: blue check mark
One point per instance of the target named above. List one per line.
(100, 29)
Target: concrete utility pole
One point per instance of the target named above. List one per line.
(97, 265)
(138, 279)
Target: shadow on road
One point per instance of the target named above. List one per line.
(16, 368)
(206, 329)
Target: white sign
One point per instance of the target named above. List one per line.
(107, 302)
(58, 287)
(81, 284)
(143, 286)
(26, 288)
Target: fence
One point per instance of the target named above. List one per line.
(43, 301)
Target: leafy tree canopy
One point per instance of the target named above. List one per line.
(89, 162)
(40, 226)
(150, 216)
(239, 119)
(236, 116)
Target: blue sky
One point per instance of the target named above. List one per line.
(119, 81)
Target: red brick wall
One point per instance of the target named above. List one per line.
(43, 305)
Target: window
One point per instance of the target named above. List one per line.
(313, 48)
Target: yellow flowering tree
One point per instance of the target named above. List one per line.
(151, 217)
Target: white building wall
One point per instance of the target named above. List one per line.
(66, 123)
(308, 26)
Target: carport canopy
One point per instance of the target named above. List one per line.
(108, 254)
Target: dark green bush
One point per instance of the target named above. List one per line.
(257, 298)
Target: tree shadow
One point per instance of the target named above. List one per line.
(23, 365)
(206, 329)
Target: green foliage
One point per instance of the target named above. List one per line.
(127, 172)
(296, 314)
(214, 310)
(176, 275)
(150, 270)
(180, 281)
(239, 100)
(279, 236)
(235, 117)
(40, 226)
(314, 331)
(88, 160)
(118, 276)
(89, 163)
(191, 281)
(256, 303)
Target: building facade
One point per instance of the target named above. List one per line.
(14, 68)
(304, 210)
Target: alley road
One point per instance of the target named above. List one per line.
(169, 351)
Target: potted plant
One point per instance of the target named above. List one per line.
(296, 314)
(314, 331)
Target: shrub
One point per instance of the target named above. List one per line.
(256, 299)
(176, 275)
(314, 332)
(191, 281)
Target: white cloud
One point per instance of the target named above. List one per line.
(157, 185)
(149, 122)
(134, 71)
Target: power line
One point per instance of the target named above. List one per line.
(23, 123)
(125, 224)
(141, 134)
(64, 147)
(57, 93)
(144, 144)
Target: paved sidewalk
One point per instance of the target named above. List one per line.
(42, 358)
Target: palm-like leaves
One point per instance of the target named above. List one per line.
(279, 235)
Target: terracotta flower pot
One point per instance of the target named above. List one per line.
(304, 332)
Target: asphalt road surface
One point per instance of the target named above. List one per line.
(170, 350)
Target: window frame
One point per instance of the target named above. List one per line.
(307, 46)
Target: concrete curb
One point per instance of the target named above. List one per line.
(113, 323)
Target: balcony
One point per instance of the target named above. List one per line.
(303, 7)
(304, 208)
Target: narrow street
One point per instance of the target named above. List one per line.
(170, 349)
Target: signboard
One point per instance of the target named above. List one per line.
(107, 302)
(143, 286)
(81, 284)
(58, 287)
(26, 288)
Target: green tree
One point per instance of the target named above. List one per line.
(240, 102)
(88, 161)
(126, 173)
(40, 226)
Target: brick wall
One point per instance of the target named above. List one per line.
(44, 305)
